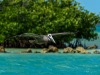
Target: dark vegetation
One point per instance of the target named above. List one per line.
(43, 17)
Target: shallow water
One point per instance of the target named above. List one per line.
(50, 63)
(16, 63)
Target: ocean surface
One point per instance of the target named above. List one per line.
(49, 64)
(15, 63)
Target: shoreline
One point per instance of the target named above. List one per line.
(39, 51)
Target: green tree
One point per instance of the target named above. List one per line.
(46, 16)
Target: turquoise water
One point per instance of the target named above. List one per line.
(49, 64)
(98, 28)
(15, 63)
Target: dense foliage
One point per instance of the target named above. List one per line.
(46, 16)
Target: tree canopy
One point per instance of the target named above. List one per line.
(46, 16)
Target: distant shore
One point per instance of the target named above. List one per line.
(39, 50)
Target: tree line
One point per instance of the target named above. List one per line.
(47, 16)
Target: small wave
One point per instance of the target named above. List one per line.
(2, 71)
(63, 66)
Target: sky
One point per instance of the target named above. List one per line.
(91, 5)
